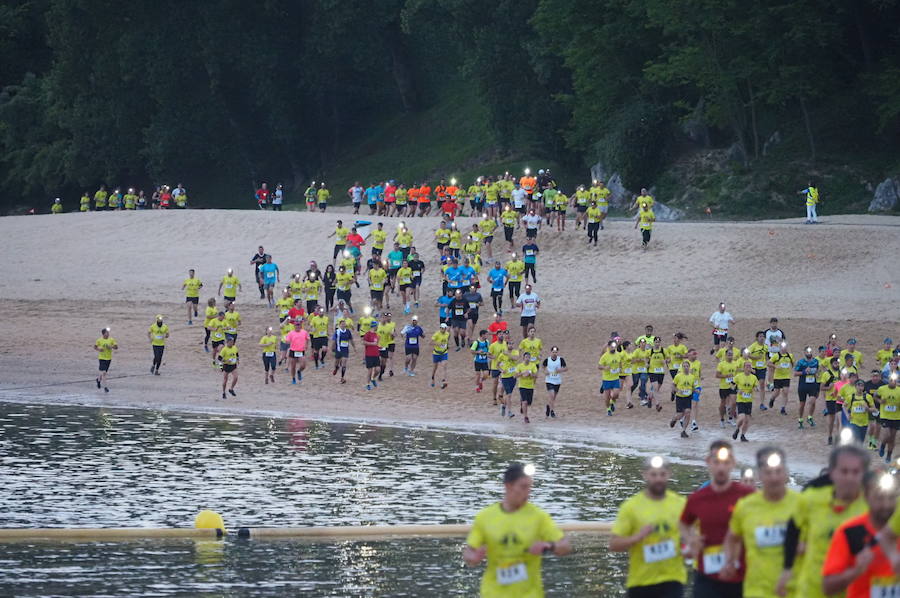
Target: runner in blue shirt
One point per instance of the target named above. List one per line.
(342, 340)
(268, 278)
(808, 389)
(530, 252)
(468, 274)
(454, 275)
(444, 302)
(372, 197)
(479, 349)
(497, 277)
(413, 335)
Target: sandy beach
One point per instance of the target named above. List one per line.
(67, 276)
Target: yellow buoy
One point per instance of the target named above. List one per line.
(209, 520)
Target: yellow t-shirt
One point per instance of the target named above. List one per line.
(817, 519)
(487, 226)
(657, 361)
(495, 349)
(440, 340)
(158, 334)
(657, 558)
(311, 289)
(442, 235)
(758, 355)
(515, 268)
(647, 218)
(600, 195)
(761, 525)
(530, 370)
(318, 325)
(216, 330)
(210, 315)
(684, 384)
(859, 405)
(675, 355)
(745, 384)
(385, 333)
(455, 239)
(507, 365)
(532, 346)
(343, 280)
(882, 356)
(625, 360)
(268, 343)
(230, 285)
(404, 239)
(512, 572)
(594, 215)
(106, 348)
(377, 277)
(378, 238)
(639, 359)
(857, 357)
(509, 218)
(232, 321)
(284, 305)
(229, 355)
(612, 365)
(192, 287)
(890, 402)
(404, 276)
(784, 366)
(728, 369)
(340, 235)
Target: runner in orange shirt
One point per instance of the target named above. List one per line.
(440, 192)
(855, 561)
(424, 200)
(528, 183)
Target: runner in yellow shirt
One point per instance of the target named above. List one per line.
(104, 346)
(208, 316)
(744, 383)
(725, 372)
(758, 354)
(513, 535)
(526, 374)
(386, 344)
(228, 358)
(684, 383)
(889, 412)
(85, 202)
(646, 527)
(610, 364)
(318, 330)
(440, 342)
(158, 334)
(487, 226)
(340, 239)
(268, 343)
(191, 287)
(231, 285)
(758, 527)
(675, 354)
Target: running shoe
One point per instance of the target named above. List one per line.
(152, 368)
(527, 421)
(502, 410)
(881, 450)
(744, 438)
(190, 322)
(684, 434)
(783, 411)
(432, 383)
(206, 348)
(552, 413)
(672, 423)
(510, 414)
(731, 421)
(721, 423)
(412, 373)
(695, 427)
(334, 372)
(390, 373)
(98, 382)
(830, 441)
(375, 384)
(771, 403)
(612, 405)
(293, 380)
(629, 406)
(810, 421)
(547, 411)
(443, 384)
(224, 396)
(369, 386)
(762, 407)
(105, 389)
(231, 392)
(800, 424)
(735, 435)
(609, 411)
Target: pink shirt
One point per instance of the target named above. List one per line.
(297, 339)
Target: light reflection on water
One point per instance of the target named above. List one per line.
(91, 467)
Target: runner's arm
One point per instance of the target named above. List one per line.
(623, 543)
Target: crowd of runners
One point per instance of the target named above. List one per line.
(320, 320)
(747, 535)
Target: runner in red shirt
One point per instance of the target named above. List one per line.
(854, 561)
(165, 199)
(373, 355)
(712, 506)
(296, 313)
(496, 326)
(262, 196)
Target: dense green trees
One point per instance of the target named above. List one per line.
(222, 93)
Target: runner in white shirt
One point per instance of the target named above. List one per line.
(519, 198)
(356, 193)
(774, 338)
(528, 303)
(720, 320)
(555, 366)
(532, 224)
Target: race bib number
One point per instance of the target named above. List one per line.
(859, 409)
(658, 370)
(884, 587)
(661, 551)
(512, 574)
(768, 536)
(158, 337)
(746, 395)
(614, 370)
(890, 408)
(729, 380)
(809, 379)
(784, 365)
(298, 353)
(345, 344)
(269, 353)
(760, 365)
(417, 274)
(229, 286)
(713, 560)
(413, 340)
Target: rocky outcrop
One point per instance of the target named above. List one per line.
(619, 196)
(665, 213)
(887, 194)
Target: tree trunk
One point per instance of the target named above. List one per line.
(753, 124)
(400, 68)
(809, 133)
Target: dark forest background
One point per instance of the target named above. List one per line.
(220, 94)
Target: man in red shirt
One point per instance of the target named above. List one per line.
(496, 326)
(373, 355)
(296, 313)
(262, 196)
(712, 506)
(354, 239)
(855, 562)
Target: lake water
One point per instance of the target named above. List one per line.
(92, 467)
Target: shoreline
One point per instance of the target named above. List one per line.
(577, 436)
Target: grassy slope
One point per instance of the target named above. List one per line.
(449, 139)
